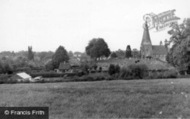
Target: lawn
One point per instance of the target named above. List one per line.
(164, 98)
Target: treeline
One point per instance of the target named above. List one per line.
(139, 71)
(19, 61)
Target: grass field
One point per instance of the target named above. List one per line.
(164, 98)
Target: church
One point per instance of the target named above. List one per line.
(152, 51)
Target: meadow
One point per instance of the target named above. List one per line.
(159, 98)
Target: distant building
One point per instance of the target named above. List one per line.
(64, 66)
(152, 51)
(22, 77)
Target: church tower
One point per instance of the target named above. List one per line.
(146, 45)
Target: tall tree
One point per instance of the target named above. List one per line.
(128, 52)
(59, 56)
(179, 31)
(179, 54)
(30, 53)
(97, 48)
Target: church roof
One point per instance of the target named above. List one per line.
(159, 50)
(146, 35)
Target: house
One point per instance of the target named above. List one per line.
(64, 66)
(152, 51)
(22, 77)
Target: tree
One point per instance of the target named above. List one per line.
(59, 56)
(120, 53)
(44, 55)
(111, 69)
(30, 53)
(113, 55)
(49, 66)
(136, 53)
(97, 48)
(6, 68)
(179, 31)
(179, 54)
(70, 53)
(128, 52)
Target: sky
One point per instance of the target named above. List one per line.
(47, 24)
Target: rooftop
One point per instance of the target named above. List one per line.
(159, 50)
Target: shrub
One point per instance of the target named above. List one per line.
(92, 77)
(6, 68)
(113, 55)
(134, 71)
(22, 81)
(10, 80)
(100, 69)
(117, 68)
(125, 73)
(49, 66)
(138, 70)
(85, 68)
(53, 74)
(170, 74)
(4, 78)
(111, 69)
(163, 74)
(155, 75)
(94, 66)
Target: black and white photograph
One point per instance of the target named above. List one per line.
(94, 59)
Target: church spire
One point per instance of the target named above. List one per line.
(146, 36)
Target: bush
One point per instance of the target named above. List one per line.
(113, 55)
(6, 68)
(47, 74)
(52, 74)
(85, 68)
(125, 73)
(138, 70)
(113, 69)
(155, 75)
(117, 68)
(163, 74)
(134, 71)
(170, 74)
(183, 76)
(100, 69)
(92, 77)
(49, 66)
(4, 78)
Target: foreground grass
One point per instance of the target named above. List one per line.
(164, 98)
